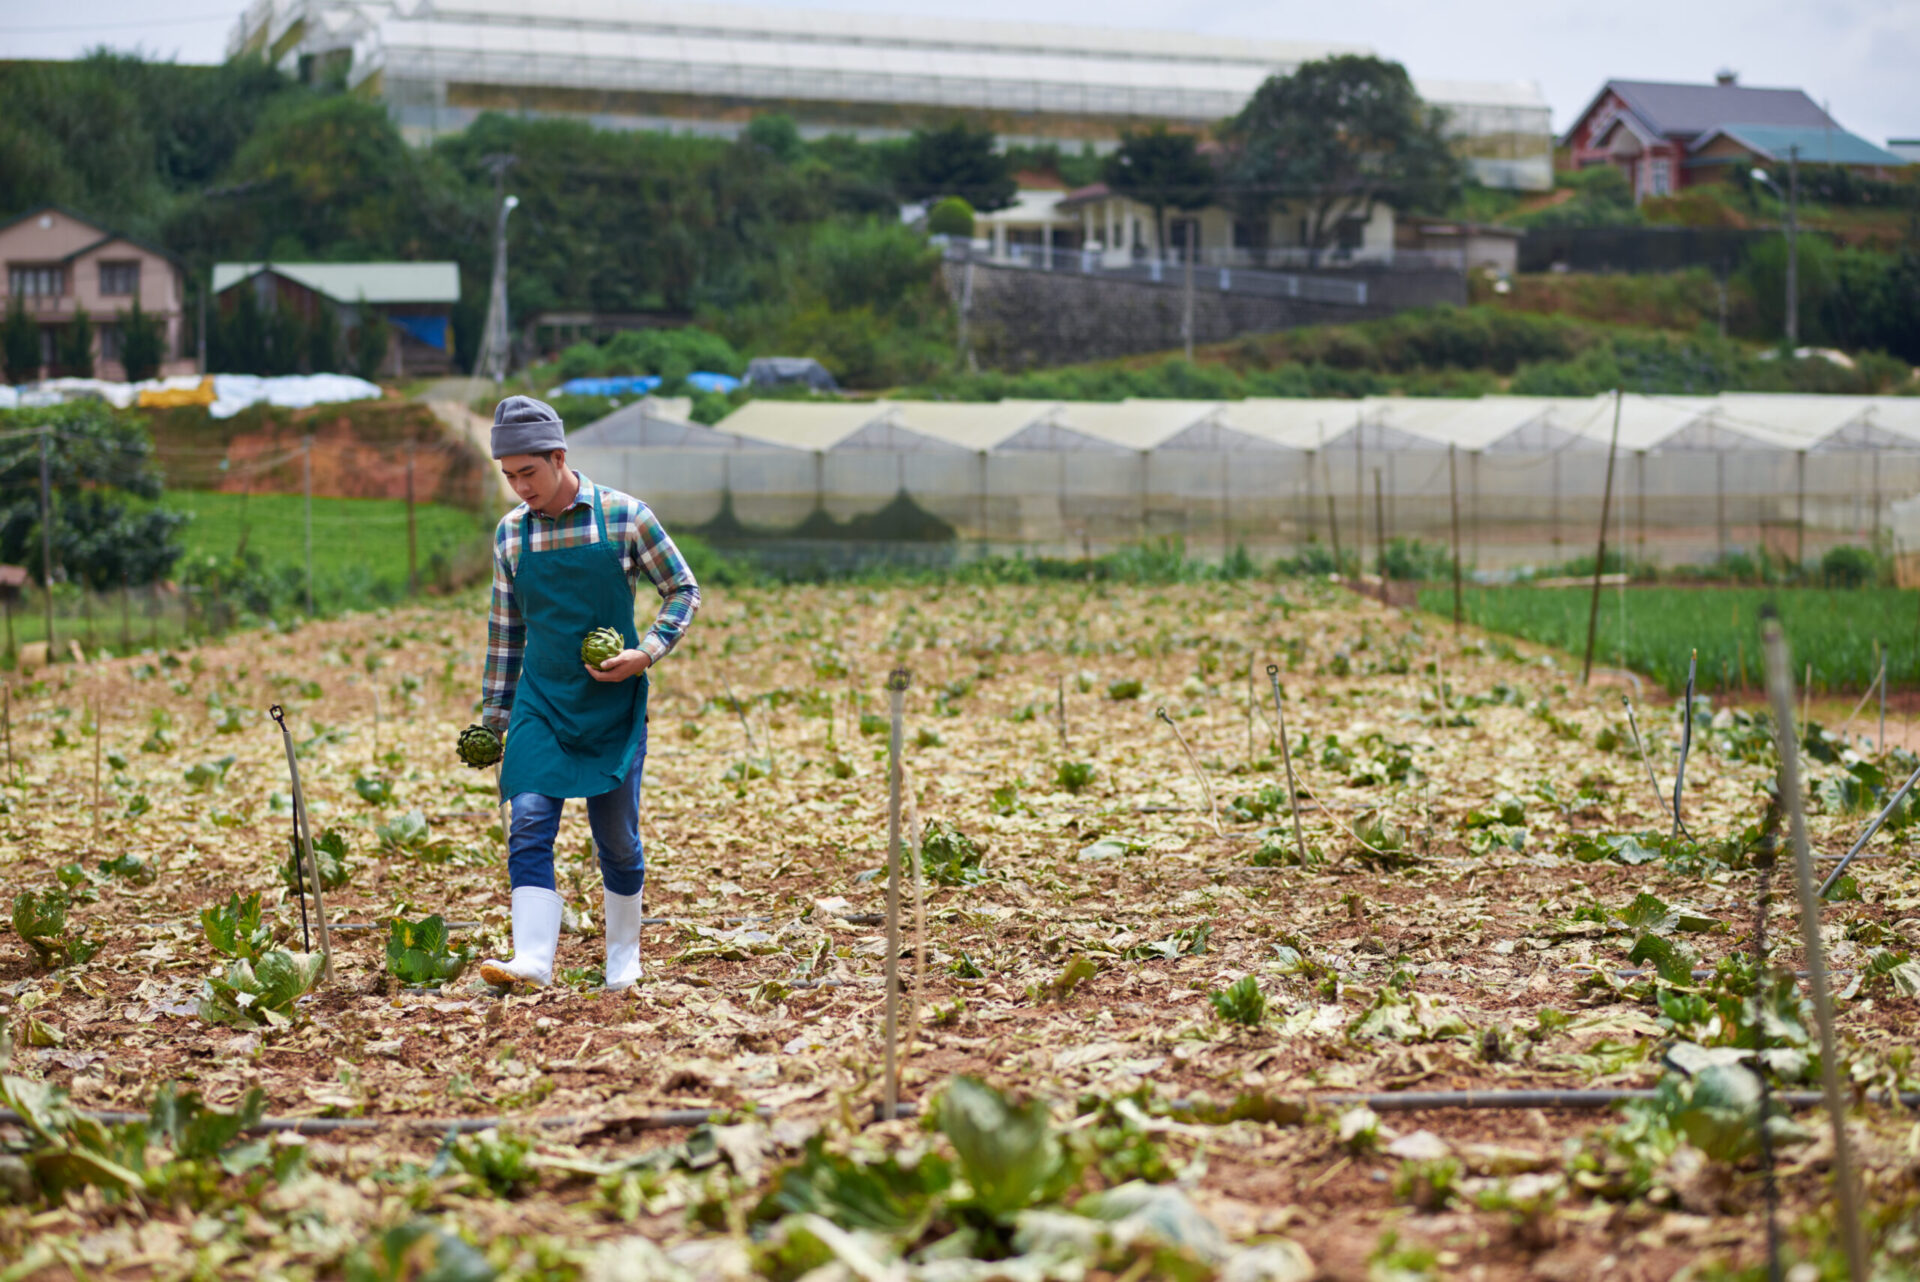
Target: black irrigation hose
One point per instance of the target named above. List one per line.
(673, 1119)
(852, 919)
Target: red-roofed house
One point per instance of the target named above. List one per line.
(1664, 137)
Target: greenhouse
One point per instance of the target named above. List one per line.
(1522, 478)
(710, 67)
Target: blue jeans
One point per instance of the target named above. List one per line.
(615, 820)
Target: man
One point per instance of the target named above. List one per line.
(566, 561)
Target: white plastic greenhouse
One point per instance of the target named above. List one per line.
(1694, 477)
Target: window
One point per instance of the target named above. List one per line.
(1661, 174)
(49, 343)
(109, 342)
(120, 279)
(1352, 233)
(36, 280)
(1249, 233)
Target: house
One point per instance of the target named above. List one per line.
(60, 263)
(415, 298)
(1664, 137)
(1095, 228)
(1475, 247)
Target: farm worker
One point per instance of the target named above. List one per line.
(567, 561)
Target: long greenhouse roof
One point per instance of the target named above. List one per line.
(1498, 426)
(815, 54)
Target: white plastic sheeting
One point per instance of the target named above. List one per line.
(232, 392)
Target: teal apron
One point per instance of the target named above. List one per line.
(569, 735)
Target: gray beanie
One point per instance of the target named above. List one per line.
(522, 425)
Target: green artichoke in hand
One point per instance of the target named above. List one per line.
(479, 746)
(601, 644)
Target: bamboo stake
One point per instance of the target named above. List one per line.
(1780, 684)
(1286, 759)
(1600, 555)
(1060, 697)
(303, 844)
(6, 718)
(1882, 741)
(1686, 745)
(96, 773)
(1206, 787)
(1860, 707)
(1652, 783)
(897, 682)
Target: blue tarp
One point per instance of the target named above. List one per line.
(631, 385)
(702, 381)
(431, 330)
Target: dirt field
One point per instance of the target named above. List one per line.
(1446, 934)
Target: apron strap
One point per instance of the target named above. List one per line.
(526, 533)
(599, 515)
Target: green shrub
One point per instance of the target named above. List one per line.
(1849, 566)
(951, 217)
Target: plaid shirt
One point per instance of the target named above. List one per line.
(644, 549)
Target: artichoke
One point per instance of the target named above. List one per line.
(601, 644)
(479, 746)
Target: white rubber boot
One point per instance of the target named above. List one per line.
(623, 941)
(536, 933)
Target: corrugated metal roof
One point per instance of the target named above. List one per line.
(1691, 109)
(1817, 146)
(357, 282)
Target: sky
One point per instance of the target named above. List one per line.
(1856, 56)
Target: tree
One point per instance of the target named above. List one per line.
(20, 342)
(1161, 169)
(956, 161)
(142, 344)
(951, 217)
(1338, 135)
(98, 459)
(370, 343)
(75, 355)
(323, 340)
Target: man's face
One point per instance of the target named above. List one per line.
(536, 478)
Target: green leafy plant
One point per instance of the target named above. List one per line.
(234, 929)
(1008, 1153)
(1073, 775)
(498, 1160)
(1241, 1002)
(879, 1195)
(1128, 688)
(417, 952)
(948, 856)
(78, 883)
(416, 1252)
(1076, 972)
(375, 791)
(329, 856)
(40, 919)
(132, 868)
(208, 775)
(260, 992)
(872, 723)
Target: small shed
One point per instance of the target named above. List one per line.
(416, 299)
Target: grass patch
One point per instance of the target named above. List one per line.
(1832, 628)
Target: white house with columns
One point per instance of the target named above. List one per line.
(1098, 228)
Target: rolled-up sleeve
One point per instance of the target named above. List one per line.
(671, 577)
(506, 642)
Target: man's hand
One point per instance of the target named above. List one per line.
(628, 663)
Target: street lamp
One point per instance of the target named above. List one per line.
(494, 349)
(1792, 196)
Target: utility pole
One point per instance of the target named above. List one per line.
(494, 354)
(46, 535)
